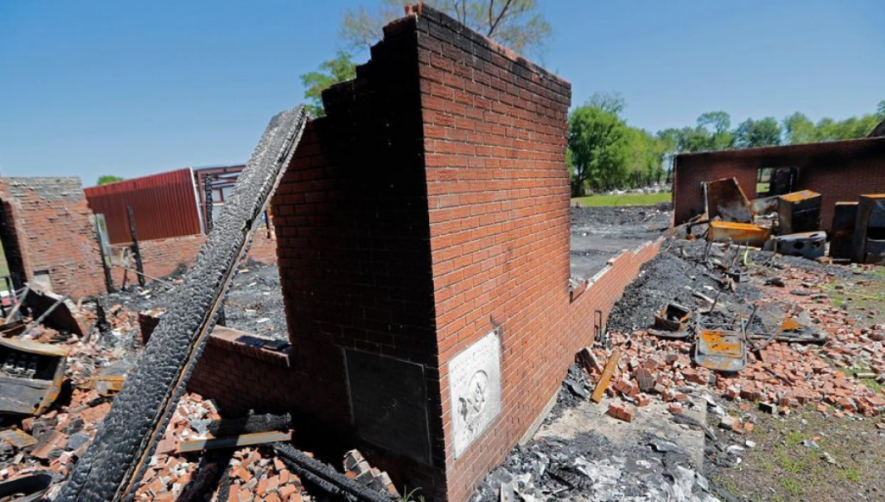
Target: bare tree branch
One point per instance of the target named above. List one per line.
(500, 16)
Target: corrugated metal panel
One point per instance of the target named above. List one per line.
(164, 205)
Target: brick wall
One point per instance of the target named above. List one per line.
(498, 196)
(55, 232)
(426, 209)
(163, 257)
(839, 171)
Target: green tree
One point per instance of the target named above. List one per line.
(330, 73)
(611, 102)
(755, 133)
(105, 179)
(518, 24)
(798, 128)
(600, 149)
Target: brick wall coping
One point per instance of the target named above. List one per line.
(248, 344)
(588, 283)
(421, 10)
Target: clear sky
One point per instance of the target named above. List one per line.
(90, 87)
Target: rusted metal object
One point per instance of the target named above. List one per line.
(844, 216)
(809, 245)
(607, 374)
(720, 349)
(672, 317)
(53, 310)
(30, 488)
(787, 323)
(799, 212)
(17, 438)
(739, 233)
(110, 380)
(31, 375)
(726, 200)
(869, 229)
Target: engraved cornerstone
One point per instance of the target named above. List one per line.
(475, 384)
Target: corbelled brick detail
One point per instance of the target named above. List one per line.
(54, 230)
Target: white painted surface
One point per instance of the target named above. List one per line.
(475, 385)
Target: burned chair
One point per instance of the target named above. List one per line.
(31, 375)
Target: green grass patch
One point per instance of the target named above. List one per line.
(4, 267)
(630, 199)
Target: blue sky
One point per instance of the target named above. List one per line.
(90, 87)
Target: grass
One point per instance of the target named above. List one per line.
(4, 267)
(629, 199)
(860, 298)
(780, 468)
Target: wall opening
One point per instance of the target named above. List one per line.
(771, 181)
(12, 264)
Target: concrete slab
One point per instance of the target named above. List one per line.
(652, 419)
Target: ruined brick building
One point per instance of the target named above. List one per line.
(48, 234)
(423, 242)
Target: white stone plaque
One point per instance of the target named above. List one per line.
(475, 385)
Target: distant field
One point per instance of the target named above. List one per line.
(632, 199)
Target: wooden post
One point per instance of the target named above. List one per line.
(105, 260)
(139, 266)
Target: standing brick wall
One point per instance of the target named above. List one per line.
(428, 208)
(839, 171)
(55, 232)
(498, 195)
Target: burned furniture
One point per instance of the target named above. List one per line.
(726, 200)
(738, 233)
(809, 245)
(672, 317)
(31, 375)
(720, 347)
(869, 230)
(799, 212)
(842, 236)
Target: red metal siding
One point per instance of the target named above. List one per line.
(164, 205)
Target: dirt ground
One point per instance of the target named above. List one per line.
(806, 456)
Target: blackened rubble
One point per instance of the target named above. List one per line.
(672, 276)
(254, 303)
(601, 233)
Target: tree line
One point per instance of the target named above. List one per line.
(605, 153)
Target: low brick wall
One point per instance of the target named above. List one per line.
(163, 257)
(240, 377)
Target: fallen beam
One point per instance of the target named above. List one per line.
(607, 374)
(234, 441)
(325, 477)
(118, 457)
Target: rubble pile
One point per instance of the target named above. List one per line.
(800, 351)
(95, 366)
(781, 374)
